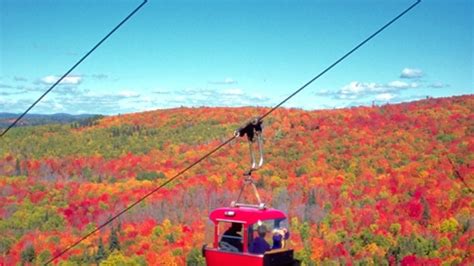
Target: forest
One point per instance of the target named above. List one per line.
(380, 185)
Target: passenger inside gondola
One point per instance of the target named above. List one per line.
(232, 239)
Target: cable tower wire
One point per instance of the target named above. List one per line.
(214, 150)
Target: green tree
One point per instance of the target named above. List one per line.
(43, 257)
(6, 242)
(116, 258)
(305, 231)
(28, 254)
(426, 212)
(301, 171)
(195, 258)
(17, 168)
(114, 243)
(100, 255)
(150, 176)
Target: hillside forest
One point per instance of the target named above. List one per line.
(381, 185)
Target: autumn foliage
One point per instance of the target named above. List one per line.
(387, 184)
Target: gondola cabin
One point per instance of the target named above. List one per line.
(239, 247)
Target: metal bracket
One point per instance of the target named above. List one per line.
(248, 181)
(253, 130)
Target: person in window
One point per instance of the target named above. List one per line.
(231, 239)
(259, 244)
(279, 237)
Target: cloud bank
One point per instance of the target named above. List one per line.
(69, 80)
(357, 89)
(411, 73)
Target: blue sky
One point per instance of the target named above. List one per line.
(230, 53)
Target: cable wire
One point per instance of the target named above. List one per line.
(235, 135)
(73, 67)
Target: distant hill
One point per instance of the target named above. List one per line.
(40, 119)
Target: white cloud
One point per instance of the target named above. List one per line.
(398, 84)
(128, 94)
(58, 107)
(438, 85)
(100, 76)
(360, 88)
(229, 81)
(160, 91)
(385, 97)
(226, 81)
(69, 80)
(126, 100)
(382, 91)
(401, 84)
(346, 96)
(233, 92)
(213, 97)
(323, 92)
(411, 73)
(356, 87)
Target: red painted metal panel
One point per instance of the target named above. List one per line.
(246, 237)
(245, 215)
(216, 257)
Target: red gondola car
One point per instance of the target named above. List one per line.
(249, 217)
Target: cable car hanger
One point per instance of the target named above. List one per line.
(254, 132)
